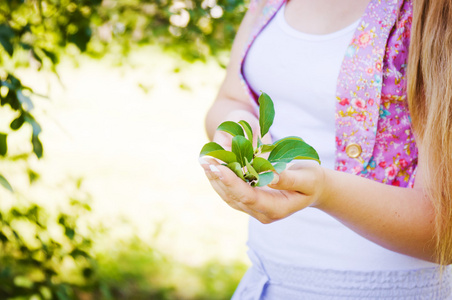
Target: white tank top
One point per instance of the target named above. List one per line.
(299, 71)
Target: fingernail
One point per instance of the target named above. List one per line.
(202, 161)
(214, 169)
(275, 179)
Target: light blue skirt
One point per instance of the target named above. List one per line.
(266, 280)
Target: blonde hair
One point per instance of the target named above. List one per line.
(430, 105)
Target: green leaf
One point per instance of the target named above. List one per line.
(3, 239)
(5, 183)
(236, 168)
(266, 113)
(37, 146)
(232, 128)
(81, 37)
(279, 167)
(32, 175)
(242, 148)
(267, 148)
(262, 165)
(51, 55)
(251, 179)
(251, 170)
(6, 34)
(25, 46)
(288, 138)
(209, 147)
(265, 178)
(17, 123)
(37, 57)
(3, 144)
(77, 252)
(215, 150)
(12, 82)
(69, 232)
(288, 150)
(248, 130)
(6, 31)
(7, 45)
(223, 155)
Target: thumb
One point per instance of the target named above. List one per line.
(289, 180)
(306, 177)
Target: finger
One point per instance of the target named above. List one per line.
(222, 183)
(224, 178)
(207, 161)
(291, 180)
(203, 163)
(249, 199)
(223, 139)
(217, 186)
(235, 191)
(301, 164)
(215, 176)
(305, 177)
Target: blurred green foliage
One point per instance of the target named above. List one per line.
(48, 255)
(137, 271)
(38, 251)
(51, 256)
(35, 33)
(195, 29)
(32, 33)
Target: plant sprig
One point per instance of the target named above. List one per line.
(245, 160)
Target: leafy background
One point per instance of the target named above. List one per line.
(101, 115)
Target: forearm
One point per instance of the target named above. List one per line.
(399, 219)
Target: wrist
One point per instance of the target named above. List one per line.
(326, 188)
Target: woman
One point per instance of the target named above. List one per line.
(362, 225)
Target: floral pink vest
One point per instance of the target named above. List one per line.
(373, 127)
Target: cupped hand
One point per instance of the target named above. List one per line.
(303, 184)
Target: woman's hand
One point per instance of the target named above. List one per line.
(301, 185)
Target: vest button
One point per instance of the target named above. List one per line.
(353, 150)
